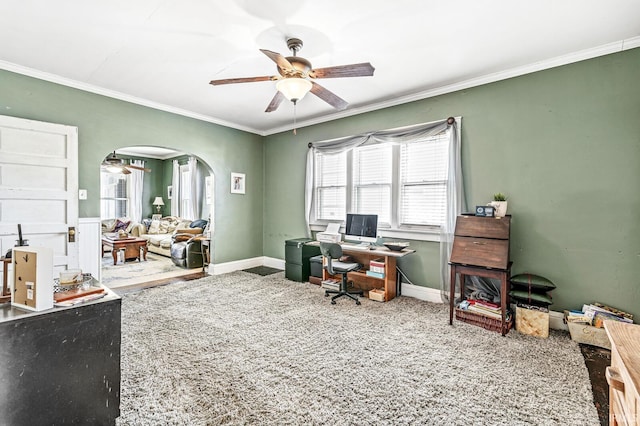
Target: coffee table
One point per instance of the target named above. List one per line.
(132, 246)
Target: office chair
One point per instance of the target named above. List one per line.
(333, 253)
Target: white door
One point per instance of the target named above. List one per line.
(39, 187)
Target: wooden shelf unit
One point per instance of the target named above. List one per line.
(365, 282)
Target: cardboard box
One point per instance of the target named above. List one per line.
(377, 294)
(532, 321)
(583, 333)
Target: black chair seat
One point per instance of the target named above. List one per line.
(333, 251)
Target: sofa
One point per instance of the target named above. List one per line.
(158, 233)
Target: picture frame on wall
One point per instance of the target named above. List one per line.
(238, 183)
(169, 191)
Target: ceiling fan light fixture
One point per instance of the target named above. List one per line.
(294, 88)
(112, 168)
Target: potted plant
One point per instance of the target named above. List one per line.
(500, 204)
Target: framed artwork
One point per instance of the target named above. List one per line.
(238, 183)
(169, 191)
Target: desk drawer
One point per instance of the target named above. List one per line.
(484, 227)
(484, 252)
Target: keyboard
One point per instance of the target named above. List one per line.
(361, 246)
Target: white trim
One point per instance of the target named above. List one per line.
(594, 52)
(53, 78)
(272, 262)
(236, 265)
(427, 294)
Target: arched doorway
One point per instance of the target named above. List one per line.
(155, 191)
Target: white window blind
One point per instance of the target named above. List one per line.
(423, 180)
(331, 186)
(372, 182)
(404, 184)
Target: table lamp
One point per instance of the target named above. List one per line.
(158, 203)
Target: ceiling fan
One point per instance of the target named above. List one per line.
(296, 76)
(113, 164)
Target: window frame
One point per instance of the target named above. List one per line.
(121, 177)
(393, 230)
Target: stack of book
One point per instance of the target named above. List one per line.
(330, 284)
(596, 313)
(376, 268)
(87, 291)
(482, 307)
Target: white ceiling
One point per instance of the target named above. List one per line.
(163, 53)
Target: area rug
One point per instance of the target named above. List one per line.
(239, 348)
(132, 272)
(263, 270)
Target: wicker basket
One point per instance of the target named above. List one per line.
(483, 321)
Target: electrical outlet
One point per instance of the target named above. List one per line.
(82, 194)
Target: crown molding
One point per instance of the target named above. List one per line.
(53, 78)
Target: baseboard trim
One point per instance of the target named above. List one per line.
(428, 294)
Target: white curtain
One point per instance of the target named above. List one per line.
(455, 206)
(455, 191)
(136, 184)
(196, 182)
(175, 191)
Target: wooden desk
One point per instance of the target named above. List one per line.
(390, 282)
(5, 296)
(623, 375)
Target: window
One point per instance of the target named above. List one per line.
(404, 184)
(186, 209)
(331, 186)
(113, 195)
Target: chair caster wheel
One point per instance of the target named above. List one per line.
(333, 302)
(357, 302)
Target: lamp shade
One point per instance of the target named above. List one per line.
(158, 202)
(293, 88)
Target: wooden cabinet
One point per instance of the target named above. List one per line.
(623, 375)
(481, 248)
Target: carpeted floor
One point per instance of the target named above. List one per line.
(243, 349)
(134, 272)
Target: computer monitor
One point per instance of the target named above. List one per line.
(361, 227)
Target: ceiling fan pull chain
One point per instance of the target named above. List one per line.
(294, 118)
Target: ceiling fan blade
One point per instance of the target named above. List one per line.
(126, 171)
(144, 169)
(241, 80)
(275, 102)
(328, 96)
(364, 69)
(278, 59)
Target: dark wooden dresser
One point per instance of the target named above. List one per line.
(481, 248)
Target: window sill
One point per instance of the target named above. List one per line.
(427, 235)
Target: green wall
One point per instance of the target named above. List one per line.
(563, 144)
(105, 124)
